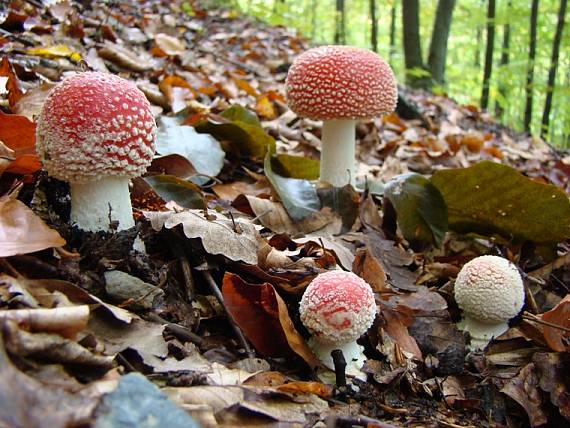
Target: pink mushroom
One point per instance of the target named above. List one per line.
(96, 131)
(337, 308)
(339, 85)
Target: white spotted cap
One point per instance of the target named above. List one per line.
(340, 82)
(489, 289)
(95, 125)
(337, 307)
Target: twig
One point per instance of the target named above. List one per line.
(216, 291)
(338, 420)
(339, 367)
(179, 331)
(533, 318)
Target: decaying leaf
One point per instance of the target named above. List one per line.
(263, 316)
(29, 403)
(524, 390)
(22, 231)
(236, 239)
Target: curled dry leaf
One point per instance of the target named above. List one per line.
(236, 239)
(171, 46)
(18, 391)
(126, 58)
(17, 133)
(65, 320)
(558, 338)
(22, 231)
(524, 390)
(263, 316)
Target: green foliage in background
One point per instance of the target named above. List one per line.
(315, 19)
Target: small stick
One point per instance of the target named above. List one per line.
(179, 331)
(339, 420)
(339, 367)
(216, 291)
(531, 317)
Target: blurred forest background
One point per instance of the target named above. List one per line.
(511, 57)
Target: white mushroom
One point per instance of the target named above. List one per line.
(490, 291)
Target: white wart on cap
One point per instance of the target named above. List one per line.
(96, 131)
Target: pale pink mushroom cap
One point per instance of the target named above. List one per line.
(340, 82)
(489, 289)
(337, 307)
(95, 125)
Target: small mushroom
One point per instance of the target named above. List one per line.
(339, 85)
(96, 131)
(337, 308)
(490, 291)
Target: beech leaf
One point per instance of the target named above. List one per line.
(420, 208)
(491, 198)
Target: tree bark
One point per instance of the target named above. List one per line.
(340, 27)
(505, 58)
(416, 74)
(552, 70)
(479, 37)
(439, 37)
(374, 28)
(488, 53)
(530, 66)
(392, 33)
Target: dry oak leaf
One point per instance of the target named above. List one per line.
(557, 338)
(524, 389)
(236, 239)
(22, 231)
(263, 317)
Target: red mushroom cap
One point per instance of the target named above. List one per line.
(340, 82)
(337, 307)
(94, 125)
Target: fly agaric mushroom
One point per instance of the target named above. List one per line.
(339, 85)
(96, 131)
(490, 291)
(337, 308)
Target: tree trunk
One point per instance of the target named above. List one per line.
(416, 74)
(552, 70)
(392, 33)
(479, 37)
(505, 51)
(374, 28)
(439, 36)
(488, 53)
(340, 27)
(313, 20)
(530, 66)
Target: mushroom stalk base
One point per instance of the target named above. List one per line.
(337, 152)
(481, 333)
(95, 204)
(352, 351)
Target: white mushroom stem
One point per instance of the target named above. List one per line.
(337, 152)
(481, 333)
(353, 354)
(95, 204)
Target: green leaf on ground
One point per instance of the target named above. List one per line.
(299, 197)
(420, 208)
(182, 192)
(203, 151)
(296, 167)
(491, 198)
(241, 127)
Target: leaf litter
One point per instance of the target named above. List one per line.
(235, 229)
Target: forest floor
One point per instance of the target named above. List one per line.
(223, 215)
